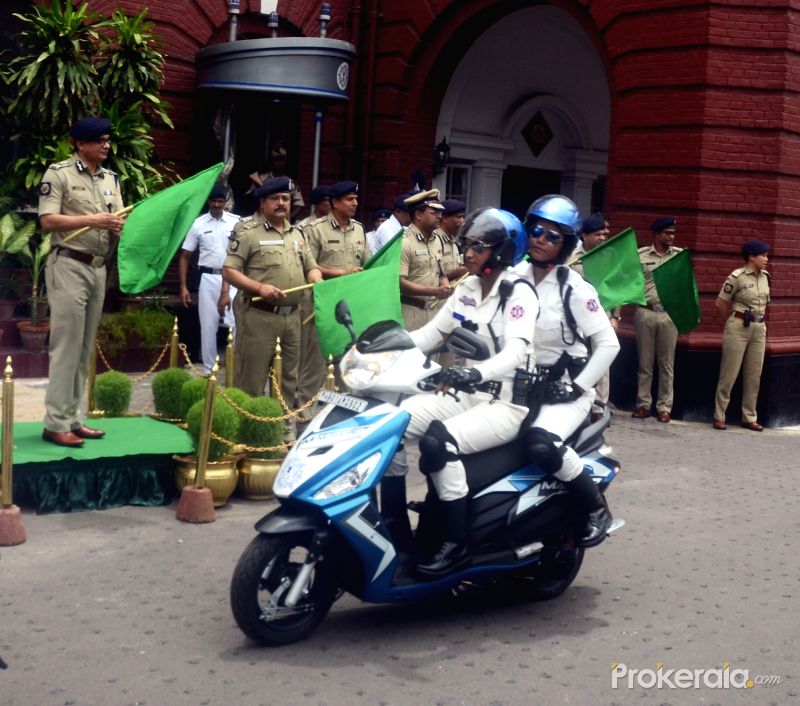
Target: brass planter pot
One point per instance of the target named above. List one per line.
(256, 476)
(221, 476)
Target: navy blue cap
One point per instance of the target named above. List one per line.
(90, 128)
(400, 201)
(453, 206)
(276, 185)
(319, 193)
(220, 191)
(342, 188)
(381, 213)
(754, 247)
(593, 223)
(663, 223)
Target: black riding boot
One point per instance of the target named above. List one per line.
(598, 516)
(454, 553)
(395, 515)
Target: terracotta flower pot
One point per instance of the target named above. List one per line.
(34, 337)
(7, 307)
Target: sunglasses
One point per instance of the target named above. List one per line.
(476, 246)
(538, 231)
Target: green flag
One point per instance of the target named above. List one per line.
(677, 290)
(615, 271)
(156, 228)
(373, 295)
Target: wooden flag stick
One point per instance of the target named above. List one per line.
(457, 282)
(289, 291)
(124, 212)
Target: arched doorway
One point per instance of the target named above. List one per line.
(527, 112)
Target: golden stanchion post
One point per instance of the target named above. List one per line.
(277, 367)
(196, 503)
(330, 379)
(173, 345)
(12, 531)
(91, 405)
(229, 360)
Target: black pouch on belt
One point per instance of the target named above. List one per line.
(747, 317)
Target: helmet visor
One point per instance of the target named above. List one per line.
(535, 230)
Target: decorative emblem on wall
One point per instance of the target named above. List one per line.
(537, 133)
(342, 76)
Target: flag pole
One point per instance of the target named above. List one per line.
(124, 212)
(288, 291)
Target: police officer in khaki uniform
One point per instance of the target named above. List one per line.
(447, 232)
(423, 280)
(77, 193)
(742, 302)
(266, 254)
(656, 334)
(278, 170)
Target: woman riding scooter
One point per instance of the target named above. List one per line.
(448, 425)
(570, 313)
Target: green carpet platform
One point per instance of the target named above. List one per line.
(131, 465)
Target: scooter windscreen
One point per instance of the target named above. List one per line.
(384, 336)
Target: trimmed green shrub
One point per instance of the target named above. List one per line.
(112, 393)
(191, 392)
(224, 424)
(167, 386)
(241, 398)
(254, 433)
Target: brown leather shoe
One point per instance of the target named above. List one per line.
(663, 417)
(641, 413)
(61, 438)
(85, 432)
(719, 424)
(752, 426)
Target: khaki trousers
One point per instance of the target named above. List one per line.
(75, 292)
(313, 369)
(256, 334)
(415, 318)
(656, 337)
(742, 348)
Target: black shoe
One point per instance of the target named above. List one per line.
(450, 557)
(596, 529)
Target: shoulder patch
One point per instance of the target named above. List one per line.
(233, 245)
(728, 288)
(44, 188)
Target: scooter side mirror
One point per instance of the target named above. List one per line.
(467, 344)
(342, 314)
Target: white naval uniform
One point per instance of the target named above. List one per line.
(211, 236)
(554, 336)
(477, 422)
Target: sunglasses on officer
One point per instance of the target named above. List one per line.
(476, 246)
(537, 231)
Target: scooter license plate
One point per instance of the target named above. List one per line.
(354, 404)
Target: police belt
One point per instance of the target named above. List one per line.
(210, 270)
(653, 307)
(84, 257)
(416, 302)
(273, 308)
(755, 318)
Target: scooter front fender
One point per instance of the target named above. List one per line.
(285, 521)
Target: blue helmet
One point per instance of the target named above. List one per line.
(562, 211)
(500, 230)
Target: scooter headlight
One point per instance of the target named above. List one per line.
(360, 369)
(350, 480)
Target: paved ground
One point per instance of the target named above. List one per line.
(130, 606)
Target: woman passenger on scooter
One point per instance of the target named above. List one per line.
(449, 426)
(571, 323)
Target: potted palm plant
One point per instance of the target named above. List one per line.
(14, 236)
(34, 255)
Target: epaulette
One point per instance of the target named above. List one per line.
(769, 276)
(63, 163)
(738, 271)
(248, 222)
(358, 223)
(645, 247)
(315, 221)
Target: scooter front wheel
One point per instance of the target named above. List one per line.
(261, 584)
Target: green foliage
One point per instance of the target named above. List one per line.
(140, 327)
(10, 289)
(224, 424)
(34, 256)
(15, 232)
(191, 392)
(255, 433)
(112, 393)
(167, 386)
(241, 398)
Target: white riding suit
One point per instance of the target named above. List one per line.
(554, 336)
(476, 421)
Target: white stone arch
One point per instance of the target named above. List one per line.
(537, 59)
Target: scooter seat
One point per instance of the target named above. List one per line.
(486, 467)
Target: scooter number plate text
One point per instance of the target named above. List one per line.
(340, 400)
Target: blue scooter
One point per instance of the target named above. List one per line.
(331, 535)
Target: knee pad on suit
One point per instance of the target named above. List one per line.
(542, 449)
(436, 447)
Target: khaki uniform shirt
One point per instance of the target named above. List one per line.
(68, 188)
(297, 195)
(333, 247)
(451, 257)
(651, 259)
(270, 257)
(747, 289)
(421, 259)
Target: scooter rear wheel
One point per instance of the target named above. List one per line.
(261, 582)
(553, 575)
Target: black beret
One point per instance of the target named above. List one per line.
(276, 185)
(453, 206)
(342, 188)
(754, 247)
(320, 193)
(220, 191)
(90, 128)
(593, 223)
(400, 201)
(663, 223)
